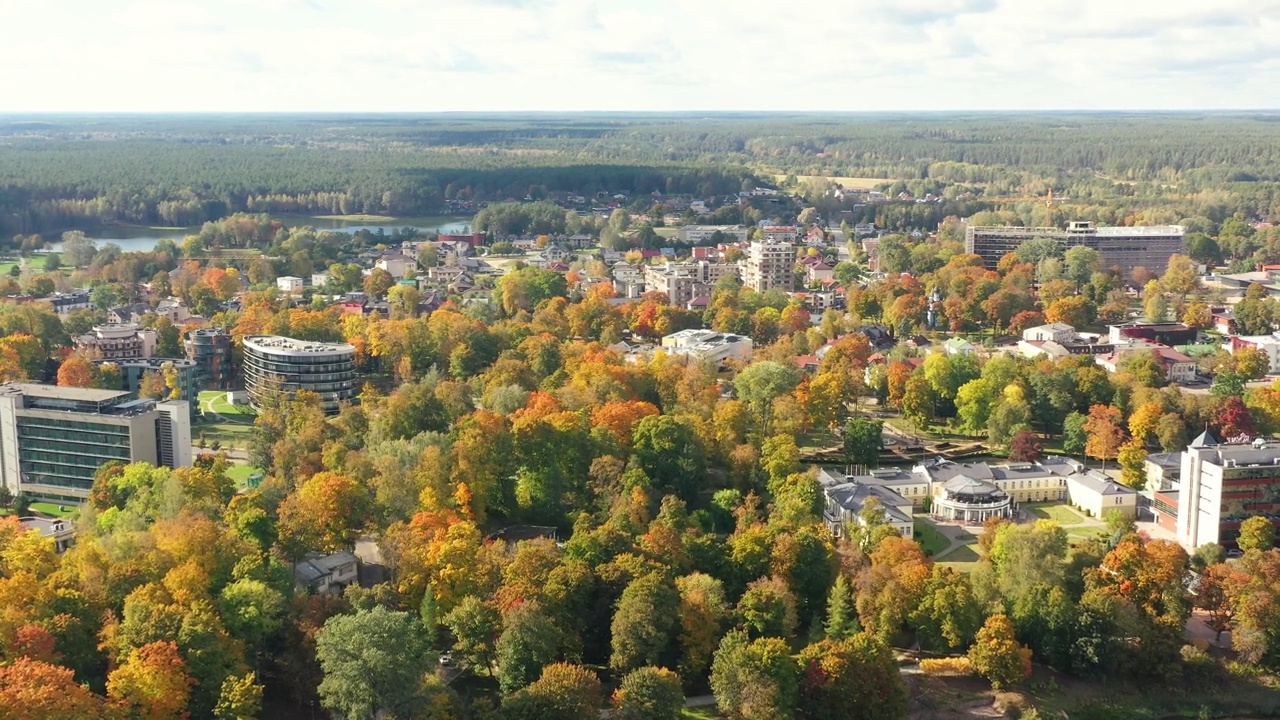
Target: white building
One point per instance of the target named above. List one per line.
(327, 574)
(118, 341)
(695, 234)
(1221, 485)
(1056, 332)
(1097, 494)
(845, 498)
(289, 284)
(769, 266)
(708, 345)
(780, 233)
(1268, 344)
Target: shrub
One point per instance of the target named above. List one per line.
(946, 666)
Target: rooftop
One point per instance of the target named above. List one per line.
(279, 343)
(55, 392)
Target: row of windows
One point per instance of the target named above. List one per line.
(268, 378)
(47, 439)
(295, 369)
(66, 476)
(42, 422)
(66, 456)
(251, 355)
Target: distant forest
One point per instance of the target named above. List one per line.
(79, 171)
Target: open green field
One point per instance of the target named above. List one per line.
(702, 713)
(227, 434)
(848, 183)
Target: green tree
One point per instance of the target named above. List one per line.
(997, 656)
(530, 640)
(768, 608)
(1081, 263)
(948, 614)
(239, 699)
(1257, 533)
(863, 439)
(649, 693)
(842, 617)
(668, 451)
(373, 663)
(1074, 436)
(475, 626)
(1155, 306)
(644, 623)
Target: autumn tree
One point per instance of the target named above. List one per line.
(649, 693)
(152, 683)
(530, 640)
(852, 679)
(563, 691)
(76, 371)
(997, 656)
(754, 679)
(34, 690)
(1104, 433)
(702, 613)
(1025, 446)
(324, 514)
(1256, 533)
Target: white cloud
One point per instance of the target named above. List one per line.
(429, 55)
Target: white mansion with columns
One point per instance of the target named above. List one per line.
(969, 493)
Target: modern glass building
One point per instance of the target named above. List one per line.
(276, 367)
(54, 439)
(210, 350)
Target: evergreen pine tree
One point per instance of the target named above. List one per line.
(842, 621)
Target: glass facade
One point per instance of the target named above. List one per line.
(281, 366)
(67, 453)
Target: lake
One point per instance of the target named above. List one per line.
(143, 239)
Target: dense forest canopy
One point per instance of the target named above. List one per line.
(68, 171)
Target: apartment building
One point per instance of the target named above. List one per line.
(210, 350)
(1125, 247)
(769, 266)
(682, 282)
(54, 439)
(118, 341)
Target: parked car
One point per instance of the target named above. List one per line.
(446, 658)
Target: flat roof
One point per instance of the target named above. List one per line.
(55, 392)
(279, 344)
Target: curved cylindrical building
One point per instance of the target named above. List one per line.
(277, 366)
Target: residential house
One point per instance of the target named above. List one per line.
(289, 284)
(327, 574)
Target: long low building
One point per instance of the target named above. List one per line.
(1123, 247)
(709, 345)
(54, 439)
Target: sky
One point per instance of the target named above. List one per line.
(636, 55)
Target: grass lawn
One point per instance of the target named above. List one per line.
(229, 434)
(240, 473)
(963, 558)
(932, 541)
(5, 267)
(52, 509)
(1061, 514)
(702, 713)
